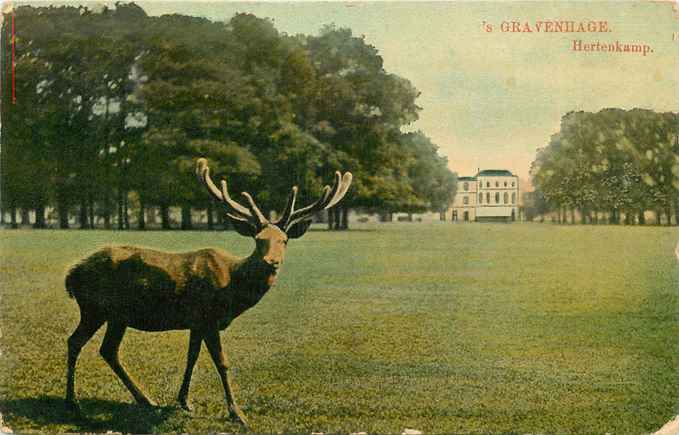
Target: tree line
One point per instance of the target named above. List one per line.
(114, 107)
(610, 164)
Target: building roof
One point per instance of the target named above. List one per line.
(466, 178)
(495, 173)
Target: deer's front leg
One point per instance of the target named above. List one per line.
(214, 346)
(195, 340)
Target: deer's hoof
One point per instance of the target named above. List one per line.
(236, 416)
(183, 404)
(73, 407)
(145, 401)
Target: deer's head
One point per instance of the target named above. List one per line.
(272, 237)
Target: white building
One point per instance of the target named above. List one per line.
(492, 195)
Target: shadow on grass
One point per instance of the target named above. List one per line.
(350, 230)
(97, 415)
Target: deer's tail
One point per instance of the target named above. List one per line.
(72, 280)
(88, 273)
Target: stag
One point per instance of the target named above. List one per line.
(202, 291)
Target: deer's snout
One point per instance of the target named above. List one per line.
(273, 262)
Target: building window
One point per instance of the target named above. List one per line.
(506, 198)
(497, 197)
(465, 200)
(497, 184)
(480, 198)
(505, 184)
(466, 186)
(487, 183)
(488, 197)
(513, 198)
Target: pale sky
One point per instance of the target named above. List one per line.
(490, 99)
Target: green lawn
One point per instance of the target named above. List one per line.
(442, 328)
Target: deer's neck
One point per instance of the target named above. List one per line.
(255, 272)
(250, 280)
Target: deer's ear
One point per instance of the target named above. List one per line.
(243, 228)
(297, 230)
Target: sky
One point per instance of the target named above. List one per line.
(490, 99)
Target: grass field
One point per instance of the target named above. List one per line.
(442, 328)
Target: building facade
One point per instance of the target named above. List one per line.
(491, 195)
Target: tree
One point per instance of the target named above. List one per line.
(117, 105)
(622, 161)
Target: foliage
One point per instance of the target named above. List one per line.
(612, 160)
(118, 102)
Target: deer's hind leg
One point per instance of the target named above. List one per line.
(88, 326)
(195, 340)
(109, 351)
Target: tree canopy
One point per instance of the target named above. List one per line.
(114, 107)
(615, 161)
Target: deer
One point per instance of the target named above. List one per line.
(202, 291)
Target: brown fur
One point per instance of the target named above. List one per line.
(202, 291)
(149, 290)
(121, 283)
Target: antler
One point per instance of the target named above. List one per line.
(250, 214)
(329, 197)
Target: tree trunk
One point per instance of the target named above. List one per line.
(106, 211)
(83, 215)
(642, 218)
(121, 221)
(658, 217)
(331, 218)
(628, 218)
(210, 217)
(668, 215)
(40, 221)
(2, 216)
(221, 219)
(338, 216)
(345, 218)
(63, 216)
(151, 216)
(583, 216)
(126, 212)
(141, 219)
(186, 218)
(165, 217)
(13, 218)
(25, 217)
(90, 205)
